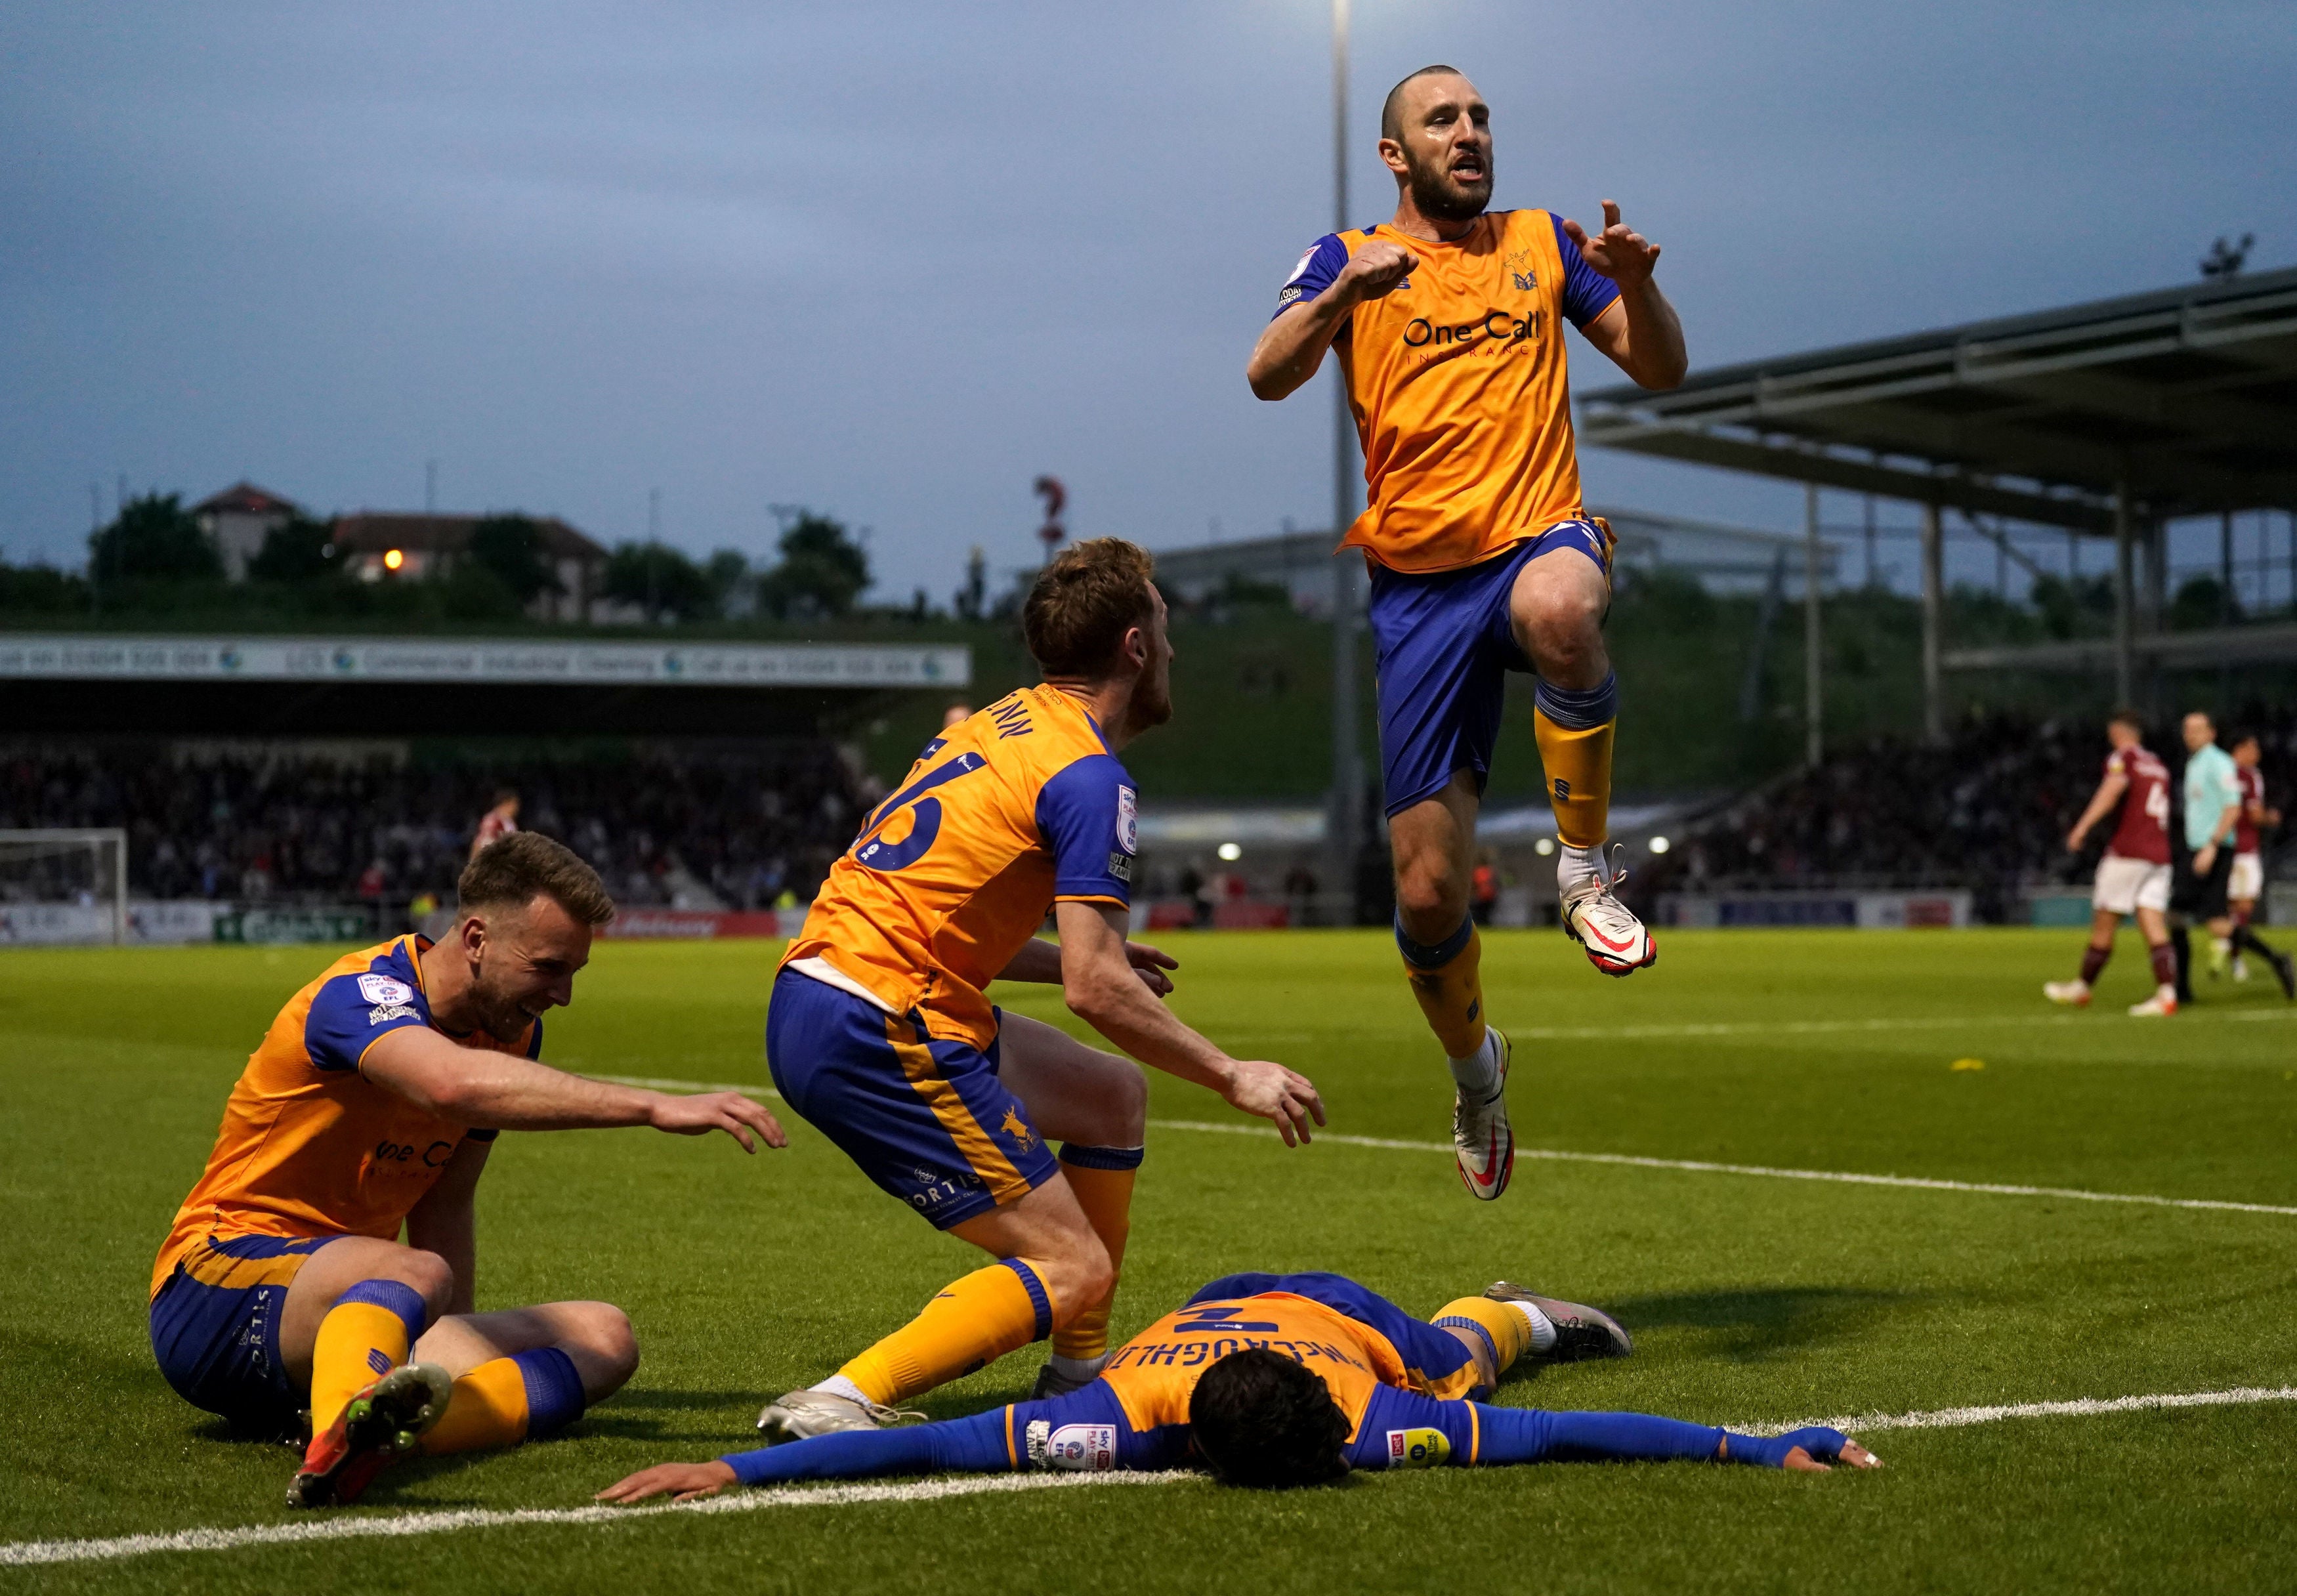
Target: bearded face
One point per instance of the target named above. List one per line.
(1454, 185)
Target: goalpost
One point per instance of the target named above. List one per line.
(63, 886)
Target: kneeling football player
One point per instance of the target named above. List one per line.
(1277, 1380)
(372, 1103)
(880, 1034)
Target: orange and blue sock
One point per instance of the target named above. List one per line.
(1102, 1179)
(505, 1401)
(1573, 727)
(971, 1323)
(1448, 979)
(363, 1337)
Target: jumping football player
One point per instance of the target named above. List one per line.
(1277, 1380)
(372, 1103)
(1448, 322)
(2134, 876)
(879, 1034)
(2246, 885)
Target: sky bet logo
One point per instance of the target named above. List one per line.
(1497, 326)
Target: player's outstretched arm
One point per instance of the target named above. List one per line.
(480, 1086)
(1292, 346)
(1102, 989)
(974, 1446)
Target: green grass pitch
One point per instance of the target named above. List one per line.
(1754, 1299)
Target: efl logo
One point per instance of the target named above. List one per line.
(384, 992)
(1418, 1448)
(1073, 1448)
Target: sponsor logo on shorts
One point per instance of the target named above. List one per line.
(934, 1187)
(385, 992)
(1073, 1448)
(1418, 1448)
(1024, 1134)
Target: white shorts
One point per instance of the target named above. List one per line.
(2125, 886)
(2247, 882)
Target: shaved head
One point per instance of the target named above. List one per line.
(1391, 110)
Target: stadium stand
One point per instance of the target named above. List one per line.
(1989, 811)
(736, 830)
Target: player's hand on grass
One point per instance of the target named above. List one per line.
(1620, 252)
(731, 1112)
(1851, 1456)
(1275, 1093)
(1150, 964)
(680, 1482)
(1375, 269)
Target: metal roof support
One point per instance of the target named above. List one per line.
(1814, 684)
(1933, 624)
(2125, 579)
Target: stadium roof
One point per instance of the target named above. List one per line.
(2188, 396)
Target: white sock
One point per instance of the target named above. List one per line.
(1083, 1370)
(837, 1385)
(1542, 1331)
(1575, 866)
(1478, 1075)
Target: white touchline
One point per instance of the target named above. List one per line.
(1703, 1167)
(353, 1527)
(1941, 1022)
(1698, 1166)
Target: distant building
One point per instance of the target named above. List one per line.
(238, 520)
(379, 544)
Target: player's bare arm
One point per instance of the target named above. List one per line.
(1640, 331)
(445, 1222)
(1292, 346)
(483, 1087)
(1101, 990)
(1040, 961)
(2101, 804)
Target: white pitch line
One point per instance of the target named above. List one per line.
(1960, 1022)
(1861, 1424)
(304, 1532)
(1697, 1166)
(1703, 1167)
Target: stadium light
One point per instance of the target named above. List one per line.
(1659, 844)
(393, 558)
(1230, 852)
(1544, 847)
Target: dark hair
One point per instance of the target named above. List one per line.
(1261, 1420)
(516, 870)
(2239, 735)
(1082, 604)
(2129, 718)
(1391, 110)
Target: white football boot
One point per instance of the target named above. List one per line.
(2163, 1002)
(801, 1415)
(2074, 994)
(1616, 941)
(1482, 1140)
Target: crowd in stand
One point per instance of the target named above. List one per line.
(1988, 809)
(753, 830)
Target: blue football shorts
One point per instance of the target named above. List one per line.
(215, 1329)
(1444, 648)
(927, 1118)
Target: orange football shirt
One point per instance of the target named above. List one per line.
(1460, 388)
(310, 1146)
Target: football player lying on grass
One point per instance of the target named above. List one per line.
(1277, 1380)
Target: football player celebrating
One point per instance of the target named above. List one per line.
(1447, 321)
(372, 1103)
(2247, 883)
(1276, 1380)
(2134, 876)
(879, 1034)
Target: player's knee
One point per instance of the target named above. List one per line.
(1431, 897)
(428, 1274)
(1126, 1103)
(598, 1337)
(1083, 1276)
(1565, 625)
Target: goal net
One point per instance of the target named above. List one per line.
(63, 886)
